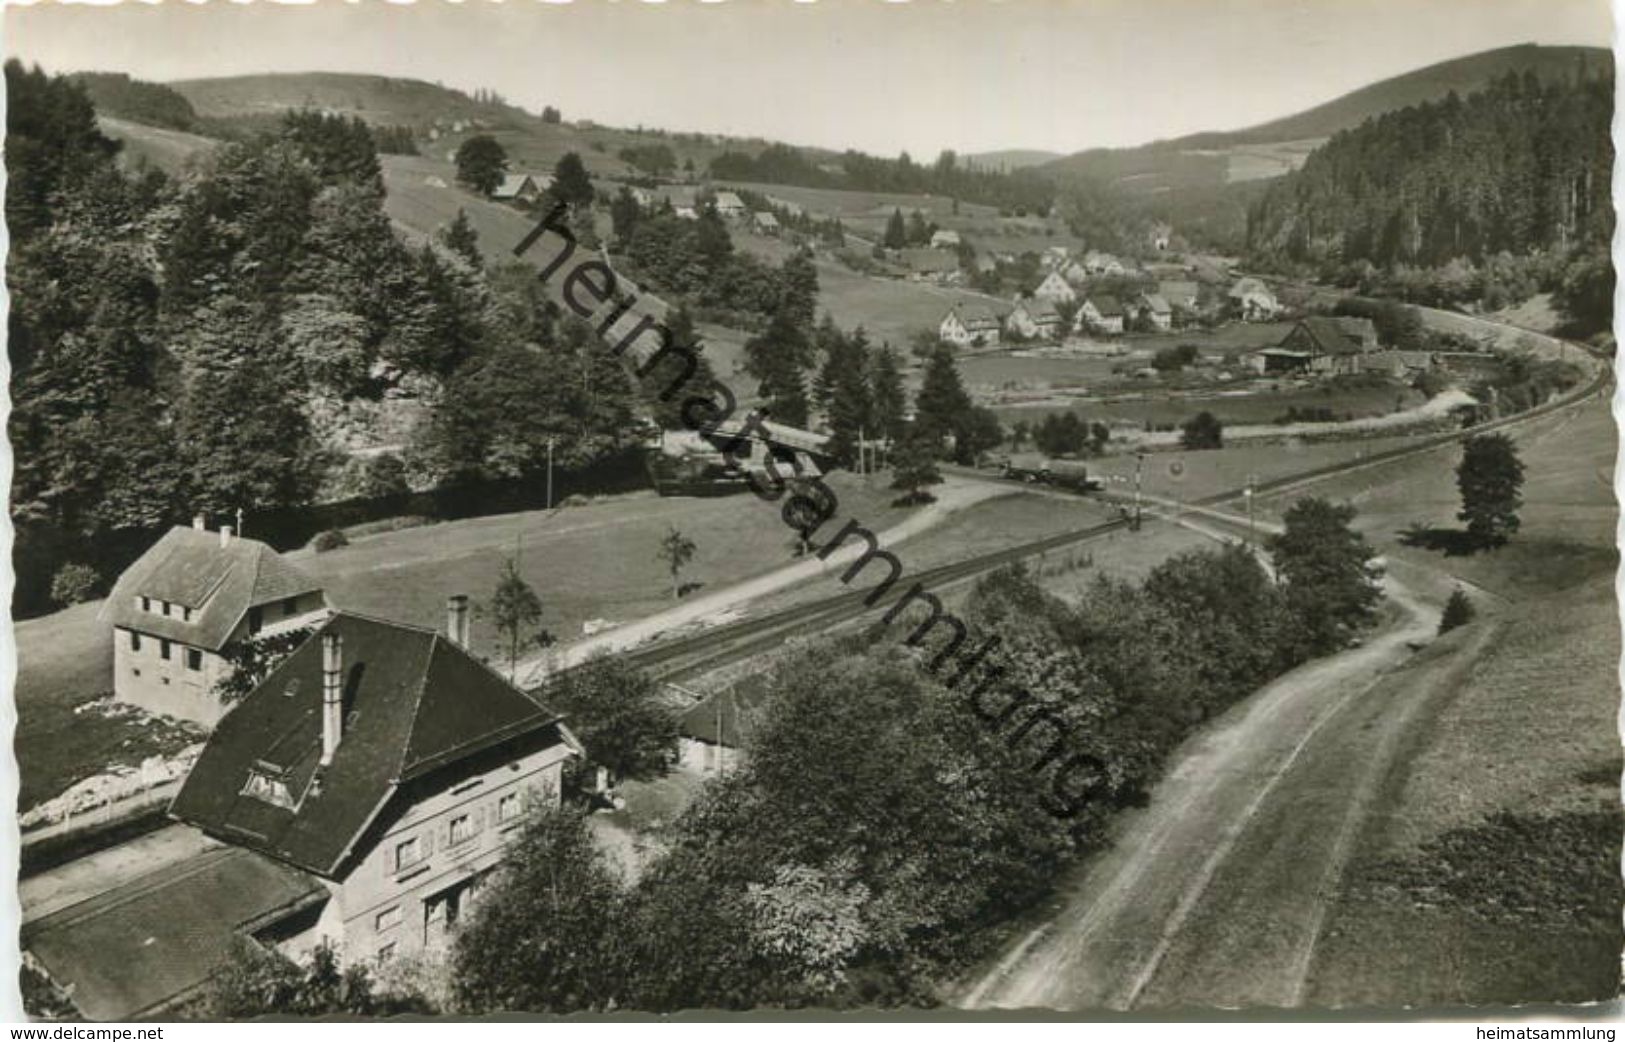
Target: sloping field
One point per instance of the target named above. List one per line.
(168, 150)
(1491, 875)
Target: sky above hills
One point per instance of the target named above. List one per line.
(973, 75)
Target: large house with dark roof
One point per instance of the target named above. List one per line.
(182, 605)
(970, 323)
(390, 765)
(1326, 344)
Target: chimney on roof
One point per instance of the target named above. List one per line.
(200, 523)
(332, 695)
(225, 535)
(457, 619)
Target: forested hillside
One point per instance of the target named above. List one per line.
(1519, 170)
(223, 340)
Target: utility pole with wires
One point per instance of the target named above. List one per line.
(550, 472)
(1250, 493)
(1139, 466)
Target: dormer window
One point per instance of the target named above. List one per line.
(146, 604)
(164, 607)
(268, 785)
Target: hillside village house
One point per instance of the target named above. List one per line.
(518, 188)
(391, 765)
(1159, 236)
(765, 223)
(1182, 295)
(1326, 345)
(730, 205)
(1034, 318)
(178, 609)
(1074, 272)
(1154, 309)
(1101, 313)
(1097, 263)
(970, 324)
(1252, 301)
(944, 239)
(1055, 289)
(927, 265)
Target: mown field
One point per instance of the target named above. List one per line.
(1490, 873)
(1233, 408)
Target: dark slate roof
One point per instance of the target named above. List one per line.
(190, 567)
(1328, 336)
(159, 937)
(976, 315)
(721, 718)
(1107, 305)
(1040, 309)
(414, 702)
(1156, 303)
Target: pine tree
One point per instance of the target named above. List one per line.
(942, 400)
(1458, 611)
(896, 236)
(778, 359)
(888, 403)
(460, 237)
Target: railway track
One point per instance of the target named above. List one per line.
(690, 656)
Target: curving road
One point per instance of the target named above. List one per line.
(1215, 894)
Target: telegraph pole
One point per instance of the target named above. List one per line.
(550, 472)
(1139, 465)
(1252, 528)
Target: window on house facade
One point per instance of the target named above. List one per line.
(186, 614)
(508, 807)
(164, 607)
(135, 641)
(255, 620)
(408, 852)
(164, 648)
(146, 604)
(194, 659)
(387, 919)
(462, 828)
(290, 607)
(386, 952)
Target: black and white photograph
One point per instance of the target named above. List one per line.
(964, 511)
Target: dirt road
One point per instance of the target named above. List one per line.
(1212, 895)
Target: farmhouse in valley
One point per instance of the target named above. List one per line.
(928, 265)
(730, 205)
(1055, 289)
(1153, 308)
(185, 602)
(1182, 295)
(1034, 318)
(1252, 301)
(1097, 263)
(765, 222)
(970, 323)
(1101, 313)
(389, 765)
(1321, 344)
(944, 239)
